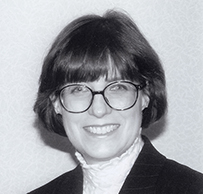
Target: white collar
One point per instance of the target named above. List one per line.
(109, 177)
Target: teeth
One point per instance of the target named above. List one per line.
(101, 130)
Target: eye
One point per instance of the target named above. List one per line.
(78, 89)
(118, 87)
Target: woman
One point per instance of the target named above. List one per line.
(101, 83)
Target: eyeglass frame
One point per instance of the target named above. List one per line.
(137, 86)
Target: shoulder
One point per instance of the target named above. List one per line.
(63, 182)
(170, 176)
(176, 178)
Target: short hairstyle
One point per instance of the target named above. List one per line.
(91, 47)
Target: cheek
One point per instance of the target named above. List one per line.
(133, 117)
(69, 122)
(72, 124)
(135, 113)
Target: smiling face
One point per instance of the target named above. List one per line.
(102, 133)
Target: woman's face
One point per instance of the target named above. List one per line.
(102, 133)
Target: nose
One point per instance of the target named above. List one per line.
(99, 107)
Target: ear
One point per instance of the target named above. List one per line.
(56, 104)
(145, 101)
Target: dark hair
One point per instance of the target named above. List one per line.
(89, 48)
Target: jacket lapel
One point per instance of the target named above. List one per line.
(144, 174)
(73, 183)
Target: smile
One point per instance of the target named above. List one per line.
(101, 130)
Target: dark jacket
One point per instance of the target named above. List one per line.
(151, 173)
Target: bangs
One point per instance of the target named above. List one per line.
(86, 66)
(90, 66)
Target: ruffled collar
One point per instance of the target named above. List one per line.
(109, 177)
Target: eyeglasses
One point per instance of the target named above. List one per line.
(119, 95)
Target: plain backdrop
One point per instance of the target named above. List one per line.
(30, 157)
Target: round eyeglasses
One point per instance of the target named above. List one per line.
(119, 95)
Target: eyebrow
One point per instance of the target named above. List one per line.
(113, 79)
(108, 80)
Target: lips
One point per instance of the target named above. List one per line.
(101, 130)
